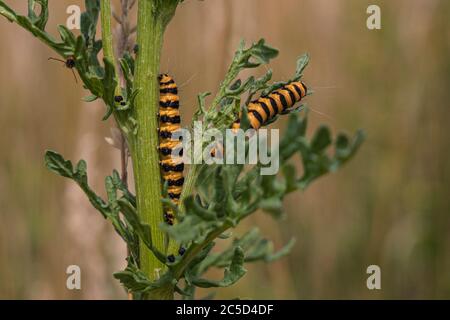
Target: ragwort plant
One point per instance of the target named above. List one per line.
(215, 198)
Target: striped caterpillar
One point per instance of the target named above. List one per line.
(280, 101)
(169, 121)
(265, 108)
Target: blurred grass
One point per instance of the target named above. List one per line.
(389, 206)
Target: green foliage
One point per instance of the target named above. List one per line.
(38, 20)
(35, 24)
(225, 195)
(119, 209)
(230, 90)
(302, 63)
(254, 246)
(100, 80)
(89, 21)
(139, 284)
(316, 161)
(231, 274)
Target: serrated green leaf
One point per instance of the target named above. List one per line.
(289, 174)
(61, 48)
(259, 251)
(137, 281)
(89, 20)
(191, 229)
(345, 150)
(111, 192)
(193, 207)
(109, 87)
(237, 89)
(143, 230)
(126, 66)
(80, 174)
(259, 84)
(342, 142)
(40, 20)
(66, 35)
(90, 98)
(119, 184)
(262, 52)
(321, 139)
(302, 62)
(231, 275)
(198, 260)
(85, 25)
(280, 253)
(201, 105)
(273, 205)
(56, 163)
(80, 50)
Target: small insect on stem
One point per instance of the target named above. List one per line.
(69, 63)
(169, 122)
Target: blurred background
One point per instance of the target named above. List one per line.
(389, 206)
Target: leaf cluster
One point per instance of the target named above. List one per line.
(225, 194)
(119, 208)
(99, 78)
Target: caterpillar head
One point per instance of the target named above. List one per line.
(163, 78)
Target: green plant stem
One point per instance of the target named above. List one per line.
(189, 184)
(194, 170)
(107, 38)
(153, 16)
(144, 152)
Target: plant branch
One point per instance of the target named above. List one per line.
(107, 37)
(195, 249)
(9, 14)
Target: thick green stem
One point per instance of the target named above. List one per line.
(153, 16)
(144, 149)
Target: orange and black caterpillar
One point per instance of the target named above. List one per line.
(172, 167)
(280, 101)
